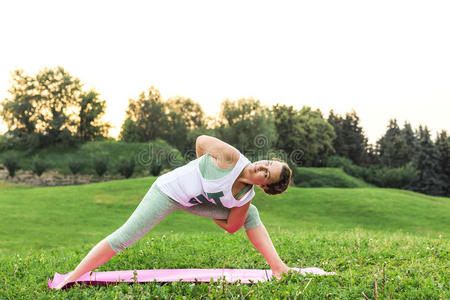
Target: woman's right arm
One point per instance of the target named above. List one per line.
(216, 148)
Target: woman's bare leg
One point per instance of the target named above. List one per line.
(259, 237)
(150, 211)
(101, 253)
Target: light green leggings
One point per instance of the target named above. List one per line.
(155, 206)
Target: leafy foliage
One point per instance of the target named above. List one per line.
(304, 132)
(76, 165)
(427, 162)
(443, 147)
(248, 126)
(11, 162)
(350, 140)
(39, 166)
(380, 176)
(149, 117)
(20, 112)
(51, 108)
(101, 164)
(92, 109)
(126, 167)
(398, 146)
(184, 115)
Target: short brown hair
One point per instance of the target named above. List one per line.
(283, 183)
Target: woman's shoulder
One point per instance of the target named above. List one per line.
(227, 159)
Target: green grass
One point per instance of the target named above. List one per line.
(327, 177)
(356, 232)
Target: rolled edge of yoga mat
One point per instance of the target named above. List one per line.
(185, 275)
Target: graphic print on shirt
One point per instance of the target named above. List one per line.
(202, 199)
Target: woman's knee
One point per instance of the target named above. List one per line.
(253, 219)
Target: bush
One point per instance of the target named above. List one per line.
(346, 165)
(101, 164)
(126, 167)
(380, 176)
(11, 163)
(8, 143)
(392, 177)
(38, 166)
(155, 169)
(76, 165)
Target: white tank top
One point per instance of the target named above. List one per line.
(187, 186)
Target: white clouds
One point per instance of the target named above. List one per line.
(384, 59)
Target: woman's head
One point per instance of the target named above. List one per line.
(273, 176)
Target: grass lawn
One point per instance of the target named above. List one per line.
(385, 243)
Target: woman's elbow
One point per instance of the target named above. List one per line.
(199, 145)
(233, 229)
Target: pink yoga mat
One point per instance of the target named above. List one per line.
(185, 275)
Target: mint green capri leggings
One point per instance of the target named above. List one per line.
(155, 206)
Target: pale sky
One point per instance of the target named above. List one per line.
(384, 59)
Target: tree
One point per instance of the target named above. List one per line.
(183, 115)
(427, 163)
(411, 142)
(51, 108)
(58, 93)
(20, 111)
(129, 132)
(392, 148)
(443, 148)
(148, 114)
(303, 134)
(350, 140)
(91, 110)
(248, 126)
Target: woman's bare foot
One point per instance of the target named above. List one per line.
(278, 272)
(61, 285)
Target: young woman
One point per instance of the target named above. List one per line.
(219, 184)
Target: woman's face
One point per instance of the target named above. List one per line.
(265, 172)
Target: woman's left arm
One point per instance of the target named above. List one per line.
(216, 148)
(236, 218)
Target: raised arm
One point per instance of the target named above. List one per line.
(216, 148)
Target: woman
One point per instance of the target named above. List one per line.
(219, 185)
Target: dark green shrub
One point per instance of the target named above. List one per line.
(126, 167)
(11, 162)
(392, 177)
(76, 165)
(101, 164)
(346, 165)
(38, 166)
(8, 143)
(155, 169)
(380, 176)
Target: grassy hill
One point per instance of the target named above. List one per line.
(327, 177)
(395, 238)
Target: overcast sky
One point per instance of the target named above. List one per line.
(384, 59)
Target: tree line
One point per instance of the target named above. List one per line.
(52, 108)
